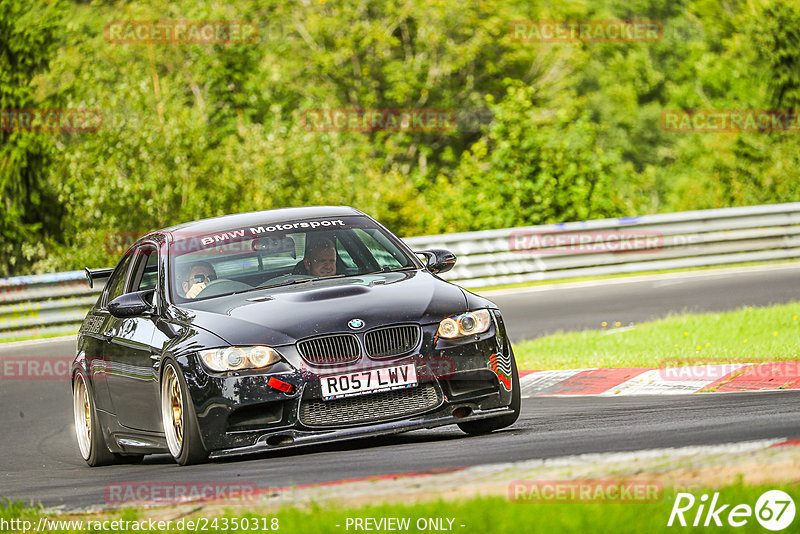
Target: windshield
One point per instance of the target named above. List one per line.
(273, 255)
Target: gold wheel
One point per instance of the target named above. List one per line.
(177, 408)
(172, 410)
(82, 409)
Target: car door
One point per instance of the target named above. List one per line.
(95, 340)
(132, 379)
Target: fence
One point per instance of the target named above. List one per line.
(56, 303)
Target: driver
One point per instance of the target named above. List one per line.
(320, 258)
(197, 277)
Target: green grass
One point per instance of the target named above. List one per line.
(629, 275)
(39, 336)
(487, 514)
(745, 335)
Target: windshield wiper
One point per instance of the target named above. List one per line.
(293, 281)
(289, 282)
(268, 286)
(390, 270)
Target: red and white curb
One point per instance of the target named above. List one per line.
(664, 381)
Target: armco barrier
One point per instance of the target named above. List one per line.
(52, 303)
(44, 304)
(676, 240)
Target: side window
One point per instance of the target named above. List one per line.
(145, 273)
(116, 284)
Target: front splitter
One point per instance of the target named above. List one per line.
(299, 438)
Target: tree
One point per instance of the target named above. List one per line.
(30, 214)
(777, 33)
(537, 165)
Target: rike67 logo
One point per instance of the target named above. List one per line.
(774, 510)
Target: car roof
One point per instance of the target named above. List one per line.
(260, 218)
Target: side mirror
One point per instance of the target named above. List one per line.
(132, 304)
(439, 260)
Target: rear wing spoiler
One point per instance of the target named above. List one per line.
(97, 274)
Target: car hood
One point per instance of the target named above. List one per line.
(281, 316)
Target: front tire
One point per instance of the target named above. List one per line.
(91, 443)
(179, 418)
(484, 426)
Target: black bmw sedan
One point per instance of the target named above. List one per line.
(282, 328)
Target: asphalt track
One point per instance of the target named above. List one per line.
(39, 460)
(535, 311)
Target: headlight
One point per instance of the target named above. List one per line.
(466, 324)
(235, 358)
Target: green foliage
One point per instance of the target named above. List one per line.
(544, 132)
(778, 34)
(536, 166)
(29, 212)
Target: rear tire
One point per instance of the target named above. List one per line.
(179, 418)
(91, 443)
(484, 426)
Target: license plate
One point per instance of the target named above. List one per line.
(371, 381)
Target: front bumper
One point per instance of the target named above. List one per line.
(240, 414)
